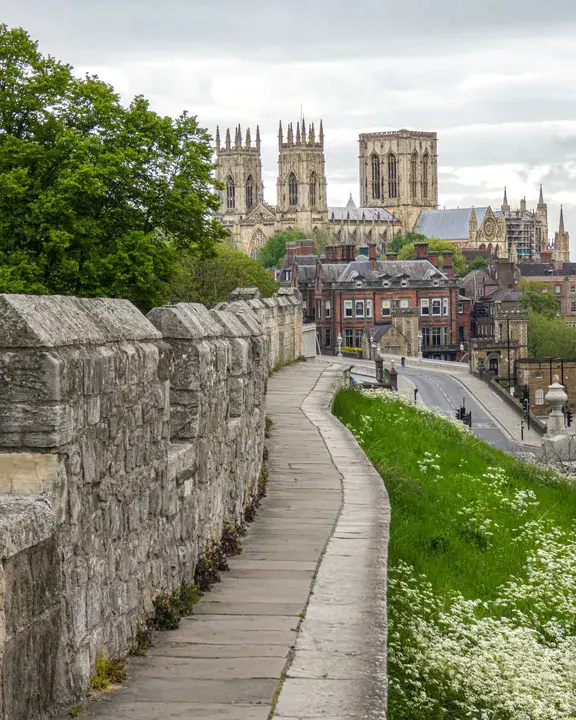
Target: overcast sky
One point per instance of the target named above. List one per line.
(494, 79)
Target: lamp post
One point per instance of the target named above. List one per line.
(339, 341)
(419, 345)
(461, 351)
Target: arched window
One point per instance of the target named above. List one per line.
(313, 189)
(375, 162)
(292, 189)
(249, 193)
(392, 176)
(413, 170)
(230, 194)
(425, 174)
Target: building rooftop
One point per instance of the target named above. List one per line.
(448, 224)
(413, 270)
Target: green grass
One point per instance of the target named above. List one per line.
(427, 530)
(482, 566)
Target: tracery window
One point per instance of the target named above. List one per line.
(375, 161)
(292, 189)
(313, 189)
(249, 193)
(425, 174)
(230, 194)
(413, 168)
(392, 176)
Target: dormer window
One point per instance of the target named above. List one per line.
(358, 283)
(436, 282)
(386, 283)
(403, 282)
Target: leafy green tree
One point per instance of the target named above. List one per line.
(401, 241)
(550, 336)
(96, 199)
(541, 303)
(274, 250)
(479, 263)
(323, 238)
(211, 280)
(439, 246)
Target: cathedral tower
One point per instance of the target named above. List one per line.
(301, 174)
(561, 248)
(239, 169)
(399, 172)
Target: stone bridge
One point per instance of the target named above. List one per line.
(126, 443)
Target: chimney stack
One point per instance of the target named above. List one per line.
(421, 251)
(391, 255)
(372, 254)
(448, 263)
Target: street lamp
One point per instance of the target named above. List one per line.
(339, 341)
(420, 345)
(461, 351)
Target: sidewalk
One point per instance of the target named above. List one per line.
(317, 549)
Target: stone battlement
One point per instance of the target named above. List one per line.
(126, 442)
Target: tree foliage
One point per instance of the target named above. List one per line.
(541, 303)
(439, 246)
(479, 263)
(211, 280)
(550, 336)
(274, 251)
(95, 198)
(400, 241)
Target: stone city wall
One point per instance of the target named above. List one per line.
(125, 443)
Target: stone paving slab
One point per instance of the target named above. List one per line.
(226, 661)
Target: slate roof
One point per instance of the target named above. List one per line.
(536, 269)
(377, 331)
(448, 224)
(503, 294)
(414, 270)
(306, 273)
(331, 271)
(305, 259)
(359, 213)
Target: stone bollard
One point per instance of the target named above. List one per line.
(556, 397)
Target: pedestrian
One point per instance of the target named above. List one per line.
(403, 361)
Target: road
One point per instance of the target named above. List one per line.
(438, 389)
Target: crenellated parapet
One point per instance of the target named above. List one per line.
(126, 442)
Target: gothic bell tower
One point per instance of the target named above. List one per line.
(301, 175)
(239, 169)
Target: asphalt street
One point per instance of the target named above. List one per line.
(446, 393)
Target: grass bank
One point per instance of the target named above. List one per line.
(482, 591)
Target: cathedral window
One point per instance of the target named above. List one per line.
(313, 189)
(392, 176)
(375, 160)
(230, 194)
(292, 189)
(249, 193)
(425, 173)
(413, 167)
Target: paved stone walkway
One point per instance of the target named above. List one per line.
(323, 526)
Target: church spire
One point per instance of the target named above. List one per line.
(258, 138)
(321, 134)
(217, 137)
(228, 139)
(280, 134)
(541, 198)
(561, 225)
(248, 143)
(303, 130)
(505, 206)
